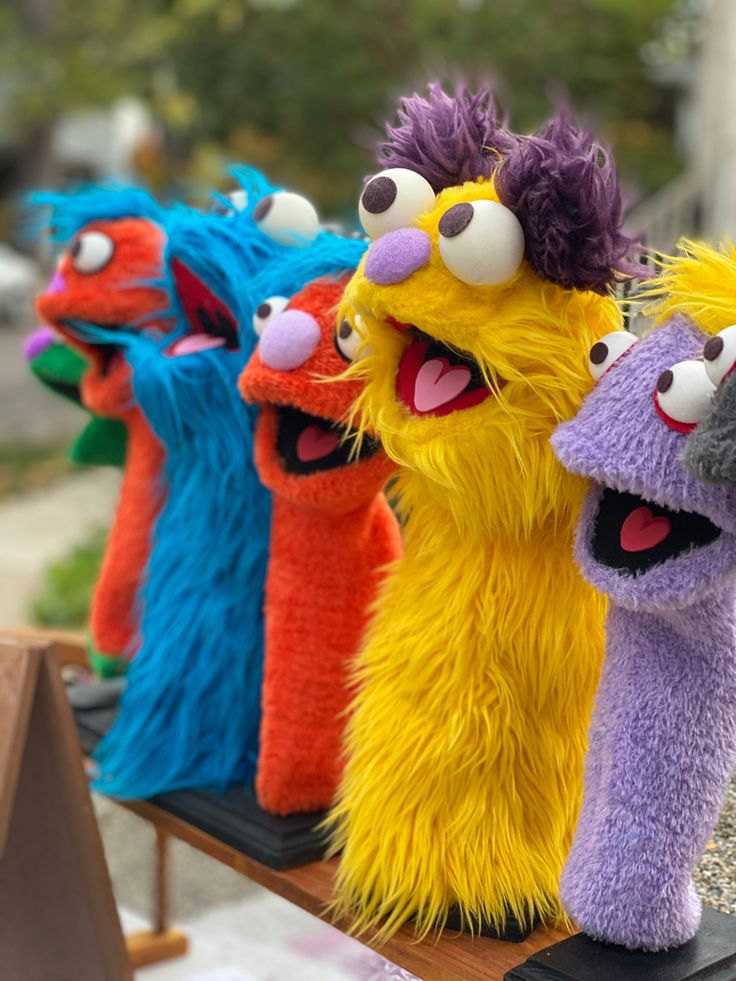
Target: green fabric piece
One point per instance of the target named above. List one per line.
(105, 665)
(102, 442)
(60, 368)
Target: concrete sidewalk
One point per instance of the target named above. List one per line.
(42, 526)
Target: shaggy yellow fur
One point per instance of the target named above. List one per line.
(700, 282)
(476, 680)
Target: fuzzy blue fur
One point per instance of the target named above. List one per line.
(67, 212)
(190, 715)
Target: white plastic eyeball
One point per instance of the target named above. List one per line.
(720, 354)
(348, 337)
(91, 252)
(683, 395)
(267, 310)
(608, 350)
(238, 198)
(481, 242)
(287, 218)
(393, 199)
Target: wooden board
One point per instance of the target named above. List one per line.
(57, 913)
(453, 957)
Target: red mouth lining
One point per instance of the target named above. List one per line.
(433, 379)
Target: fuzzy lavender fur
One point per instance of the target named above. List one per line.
(662, 745)
(710, 454)
(663, 738)
(562, 187)
(448, 139)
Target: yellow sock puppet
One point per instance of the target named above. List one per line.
(488, 279)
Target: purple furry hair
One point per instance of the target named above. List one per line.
(562, 187)
(448, 139)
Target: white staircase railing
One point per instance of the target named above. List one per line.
(671, 212)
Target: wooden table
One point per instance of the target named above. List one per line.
(452, 957)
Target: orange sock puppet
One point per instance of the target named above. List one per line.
(104, 277)
(332, 533)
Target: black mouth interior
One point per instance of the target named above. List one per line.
(217, 324)
(633, 535)
(436, 349)
(104, 352)
(69, 390)
(307, 444)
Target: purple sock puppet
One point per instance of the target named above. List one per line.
(662, 546)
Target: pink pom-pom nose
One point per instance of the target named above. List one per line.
(57, 284)
(289, 340)
(38, 342)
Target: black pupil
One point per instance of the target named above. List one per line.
(455, 220)
(598, 353)
(379, 195)
(262, 208)
(263, 310)
(345, 330)
(76, 248)
(713, 348)
(664, 382)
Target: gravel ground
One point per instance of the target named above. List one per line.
(715, 878)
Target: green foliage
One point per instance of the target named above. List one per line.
(302, 87)
(64, 597)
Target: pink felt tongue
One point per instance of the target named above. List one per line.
(437, 384)
(315, 444)
(194, 343)
(641, 530)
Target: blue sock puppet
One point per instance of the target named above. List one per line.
(191, 712)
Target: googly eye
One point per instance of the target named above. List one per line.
(393, 199)
(481, 242)
(606, 352)
(720, 354)
(91, 252)
(287, 218)
(682, 395)
(267, 310)
(348, 338)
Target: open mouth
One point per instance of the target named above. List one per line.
(105, 355)
(307, 444)
(434, 379)
(633, 535)
(216, 330)
(68, 390)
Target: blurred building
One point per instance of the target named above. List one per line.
(699, 55)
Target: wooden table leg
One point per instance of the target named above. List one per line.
(162, 942)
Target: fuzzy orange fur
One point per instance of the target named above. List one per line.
(113, 297)
(332, 534)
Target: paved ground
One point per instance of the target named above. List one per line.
(28, 413)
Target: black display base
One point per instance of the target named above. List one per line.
(233, 817)
(710, 956)
(511, 932)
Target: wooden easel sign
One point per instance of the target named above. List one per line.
(58, 920)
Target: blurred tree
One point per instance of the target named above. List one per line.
(301, 87)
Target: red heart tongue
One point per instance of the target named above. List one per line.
(642, 530)
(314, 443)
